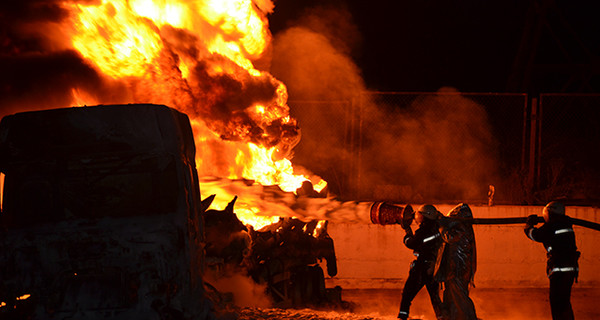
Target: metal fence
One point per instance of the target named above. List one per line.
(328, 145)
(567, 155)
(460, 147)
(449, 146)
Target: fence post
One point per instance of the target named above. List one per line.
(533, 144)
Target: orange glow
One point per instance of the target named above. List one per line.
(258, 163)
(82, 98)
(319, 228)
(115, 39)
(161, 12)
(320, 185)
(123, 38)
(24, 297)
(155, 46)
(2, 176)
(237, 17)
(248, 216)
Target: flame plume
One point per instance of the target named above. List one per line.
(197, 56)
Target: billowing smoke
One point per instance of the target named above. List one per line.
(35, 81)
(41, 69)
(246, 292)
(439, 147)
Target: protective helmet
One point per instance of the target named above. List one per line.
(429, 211)
(553, 208)
(462, 210)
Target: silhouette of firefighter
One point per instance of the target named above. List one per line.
(425, 243)
(562, 266)
(457, 263)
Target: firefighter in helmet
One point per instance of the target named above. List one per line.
(425, 243)
(562, 266)
(457, 262)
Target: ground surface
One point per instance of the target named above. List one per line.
(505, 304)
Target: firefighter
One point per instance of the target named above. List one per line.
(562, 267)
(457, 263)
(425, 243)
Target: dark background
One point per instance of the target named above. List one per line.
(471, 45)
(533, 47)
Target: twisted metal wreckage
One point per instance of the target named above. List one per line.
(283, 256)
(101, 217)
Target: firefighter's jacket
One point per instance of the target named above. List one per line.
(425, 242)
(558, 238)
(458, 255)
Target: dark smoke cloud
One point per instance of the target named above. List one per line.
(221, 99)
(27, 11)
(440, 147)
(38, 81)
(21, 59)
(311, 58)
(436, 148)
(30, 26)
(40, 70)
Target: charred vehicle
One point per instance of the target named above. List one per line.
(285, 256)
(101, 215)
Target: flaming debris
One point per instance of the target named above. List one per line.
(256, 200)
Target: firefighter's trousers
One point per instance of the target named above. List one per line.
(560, 295)
(420, 274)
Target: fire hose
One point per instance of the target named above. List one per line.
(384, 213)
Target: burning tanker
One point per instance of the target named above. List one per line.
(197, 57)
(101, 217)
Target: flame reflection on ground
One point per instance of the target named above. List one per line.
(304, 314)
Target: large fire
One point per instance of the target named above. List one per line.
(197, 56)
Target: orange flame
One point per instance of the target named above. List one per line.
(156, 48)
(123, 38)
(117, 40)
(81, 98)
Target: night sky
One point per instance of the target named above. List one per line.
(426, 46)
(470, 45)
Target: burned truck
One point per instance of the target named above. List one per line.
(101, 215)
(285, 257)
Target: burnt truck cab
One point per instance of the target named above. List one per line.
(100, 215)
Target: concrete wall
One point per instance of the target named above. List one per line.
(373, 256)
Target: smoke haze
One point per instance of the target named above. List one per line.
(246, 292)
(437, 147)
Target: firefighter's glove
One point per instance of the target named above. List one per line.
(408, 231)
(532, 220)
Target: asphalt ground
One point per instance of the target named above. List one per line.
(503, 303)
(382, 304)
